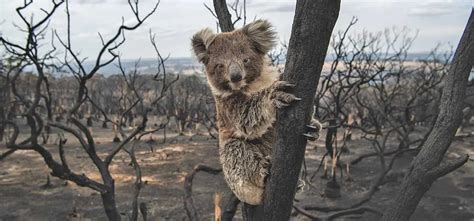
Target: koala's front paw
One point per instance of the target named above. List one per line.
(280, 97)
(313, 129)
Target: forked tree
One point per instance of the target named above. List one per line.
(312, 27)
(429, 164)
(302, 67)
(36, 103)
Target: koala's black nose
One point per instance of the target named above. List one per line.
(235, 77)
(235, 72)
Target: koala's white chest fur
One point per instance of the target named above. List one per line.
(252, 114)
(246, 123)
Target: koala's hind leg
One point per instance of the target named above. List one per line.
(245, 166)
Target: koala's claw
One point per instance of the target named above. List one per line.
(311, 137)
(280, 97)
(281, 85)
(313, 129)
(280, 104)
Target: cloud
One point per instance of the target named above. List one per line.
(429, 9)
(96, 2)
(272, 6)
(286, 7)
(90, 2)
(177, 20)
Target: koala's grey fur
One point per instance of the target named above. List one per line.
(246, 110)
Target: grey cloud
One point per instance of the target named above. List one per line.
(91, 1)
(285, 7)
(83, 2)
(435, 8)
(173, 33)
(272, 6)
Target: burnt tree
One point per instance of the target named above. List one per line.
(36, 104)
(312, 27)
(428, 166)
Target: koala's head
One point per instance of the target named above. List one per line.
(234, 60)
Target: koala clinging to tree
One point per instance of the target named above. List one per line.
(247, 91)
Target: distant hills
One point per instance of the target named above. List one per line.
(178, 65)
(148, 65)
(188, 65)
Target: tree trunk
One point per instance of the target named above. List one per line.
(108, 197)
(252, 213)
(164, 135)
(230, 208)
(330, 136)
(427, 167)
(108, 200)
(225, 19)
(4, 103)
(312, 27)
(2, 126)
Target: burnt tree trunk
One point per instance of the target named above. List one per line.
(312, 27)
(427, 166)
(4, 103)
(222, 12)
(110, 207)
(252, 212)
(330, 137)
(2, 118)
(230, 208)
(108, 197)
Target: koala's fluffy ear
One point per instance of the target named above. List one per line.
(261, 34)
(201, 42)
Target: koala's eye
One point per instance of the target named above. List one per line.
(246, 60)
(219, 66)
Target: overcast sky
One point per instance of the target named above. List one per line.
(175, 21)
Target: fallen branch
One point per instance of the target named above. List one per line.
(7, 153)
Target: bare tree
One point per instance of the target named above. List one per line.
(428, 166)
(376, 84)
(372, 79)
(317, 18)
(36, 104)
(312, 27)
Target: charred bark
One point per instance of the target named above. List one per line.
(230, 208)
(222, 12)
(427, 166)
(110, 207)
(312, 27)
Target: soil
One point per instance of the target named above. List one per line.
(24, 194)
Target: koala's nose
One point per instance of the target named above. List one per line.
(235, 77)
(235, 73)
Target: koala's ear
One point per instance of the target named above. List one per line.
(201, 42)
(261, 34)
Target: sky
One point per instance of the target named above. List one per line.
(175, 21)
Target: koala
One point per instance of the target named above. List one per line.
(247, 91)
